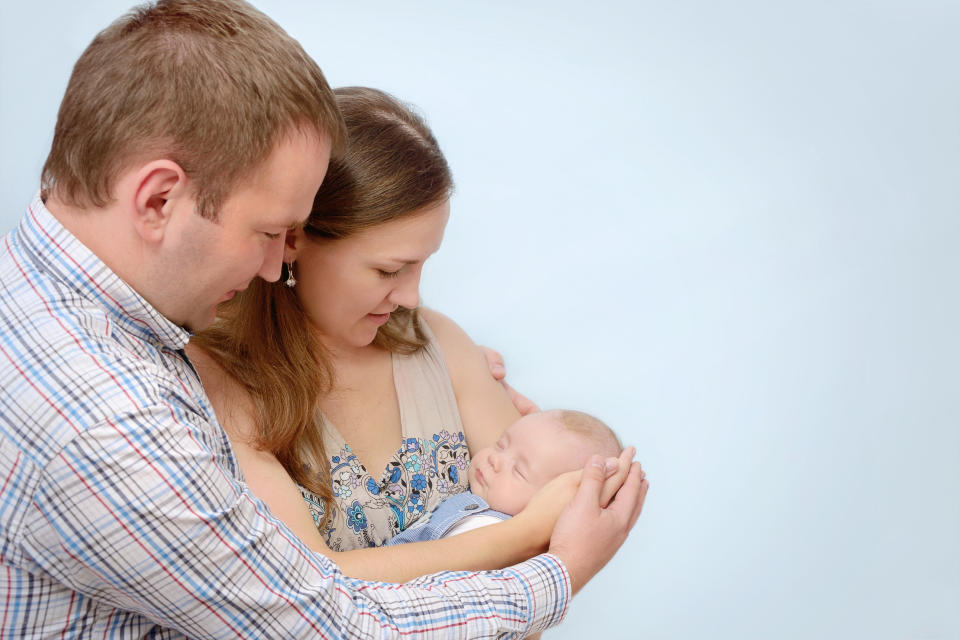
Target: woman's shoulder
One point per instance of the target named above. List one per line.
(231, 402)
(451, 338)
(485, 408)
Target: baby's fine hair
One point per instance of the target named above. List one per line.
(594, 430)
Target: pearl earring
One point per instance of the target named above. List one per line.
(291, 281)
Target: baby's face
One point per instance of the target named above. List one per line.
(531, 452)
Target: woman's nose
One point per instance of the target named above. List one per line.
(407, 293)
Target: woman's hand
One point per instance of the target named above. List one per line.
(499, 372)
(540, 515)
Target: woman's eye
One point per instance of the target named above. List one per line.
(388, 274)
(272, 236)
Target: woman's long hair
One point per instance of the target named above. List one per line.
(392, 167)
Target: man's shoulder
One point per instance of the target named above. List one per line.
(67, 366)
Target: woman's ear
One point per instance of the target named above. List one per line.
(160, 187)
(295, 239)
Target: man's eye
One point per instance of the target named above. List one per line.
(272, 236)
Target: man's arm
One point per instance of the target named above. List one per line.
(137, 514)
(588, 534)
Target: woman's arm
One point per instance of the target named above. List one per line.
(485, 407)
(493, 547)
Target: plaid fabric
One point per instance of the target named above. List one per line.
(123, 513)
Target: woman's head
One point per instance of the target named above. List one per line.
(356, 288)
(388, 190)
(378, 216)
(392, 167)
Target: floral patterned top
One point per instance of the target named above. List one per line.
(430, 463)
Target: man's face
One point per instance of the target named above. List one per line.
(531, 452)
(208, 262)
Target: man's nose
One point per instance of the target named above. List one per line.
(272, 259)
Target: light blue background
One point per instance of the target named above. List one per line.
(729, 229)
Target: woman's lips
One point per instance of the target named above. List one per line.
(379, 318)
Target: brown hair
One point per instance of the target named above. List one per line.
(392, 167)
(596, 431)
(209, 84)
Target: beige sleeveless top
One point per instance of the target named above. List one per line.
(372, 506)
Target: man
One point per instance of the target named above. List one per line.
(192, 136)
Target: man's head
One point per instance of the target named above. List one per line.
(209, 129)
(210, 84)
(534, 450)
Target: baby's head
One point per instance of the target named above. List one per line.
(534, 450)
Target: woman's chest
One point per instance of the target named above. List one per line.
(365, 411)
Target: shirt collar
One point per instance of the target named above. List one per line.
(58, 252)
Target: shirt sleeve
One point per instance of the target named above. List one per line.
(138, 514)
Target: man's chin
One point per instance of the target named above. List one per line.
(201, 322)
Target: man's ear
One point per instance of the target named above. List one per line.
(291, 247)
(158, 185)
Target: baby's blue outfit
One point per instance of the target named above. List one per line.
(448, 514)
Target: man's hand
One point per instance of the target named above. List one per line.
(587, 535)
(495, 361)
(541, 513)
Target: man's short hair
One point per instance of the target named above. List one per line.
(209, 84)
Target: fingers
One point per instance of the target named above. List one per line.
(495, 363)
(591, 484)
(628, 503)
(524, 405)
(616, 479)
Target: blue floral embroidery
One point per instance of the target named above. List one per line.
(412, 464)
(370, 509)
(355, 517)
(395, 474)
(415, 504)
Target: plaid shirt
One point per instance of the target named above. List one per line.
(122, 510)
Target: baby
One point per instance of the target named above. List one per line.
(531, 452)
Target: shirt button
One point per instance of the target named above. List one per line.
(471, 507)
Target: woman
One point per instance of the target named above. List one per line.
(351, 411)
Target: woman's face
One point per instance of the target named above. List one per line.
(350, 287)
